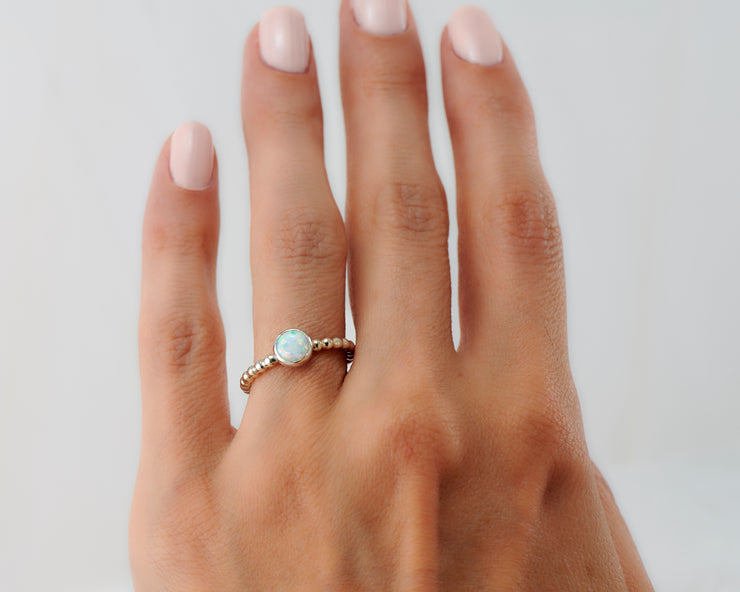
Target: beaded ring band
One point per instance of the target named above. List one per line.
(292, 348)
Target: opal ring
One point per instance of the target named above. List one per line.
(291, 348)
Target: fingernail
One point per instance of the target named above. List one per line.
(474, 37)
(380, 17)
(284, 39)
(191, 156)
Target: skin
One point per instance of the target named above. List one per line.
(424, 467)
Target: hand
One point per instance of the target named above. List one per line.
(424, 467)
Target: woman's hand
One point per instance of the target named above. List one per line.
(424, 467)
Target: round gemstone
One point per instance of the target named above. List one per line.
(293, 347)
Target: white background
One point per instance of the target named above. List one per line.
(637, 104)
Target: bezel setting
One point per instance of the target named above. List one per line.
(293, 360)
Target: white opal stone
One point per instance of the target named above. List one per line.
(293, 347)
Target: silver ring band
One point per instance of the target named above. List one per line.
(292, 348)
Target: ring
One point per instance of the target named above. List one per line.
(292, 348)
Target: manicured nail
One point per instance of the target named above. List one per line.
(284, 39)
(191, 156)
(474, 37)
(380, 17)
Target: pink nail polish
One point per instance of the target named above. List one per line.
(191, 156)
(380, 17)
(474, 37)
(284, 43)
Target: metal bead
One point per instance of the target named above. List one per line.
(326, 343)
(245, 383)
(250, 371)
(337, 342)
(316, 345)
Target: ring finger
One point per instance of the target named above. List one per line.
(298, 247)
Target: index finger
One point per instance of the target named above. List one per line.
(185, 412)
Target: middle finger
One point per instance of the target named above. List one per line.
(397, 223)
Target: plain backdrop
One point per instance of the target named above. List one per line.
(637, 104)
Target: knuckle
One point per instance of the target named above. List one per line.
(537, 431)
(541, 431)
(418, 430)
(505, 122)
(290, 113)
(411, 434)
(512, 106)
(416, 438)
(302, 238)
(485, 106)
(527, 220)
(417, 211)
(385, 79)
(545, 455)
(563, 477)
(187, 338)
(180, 239)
